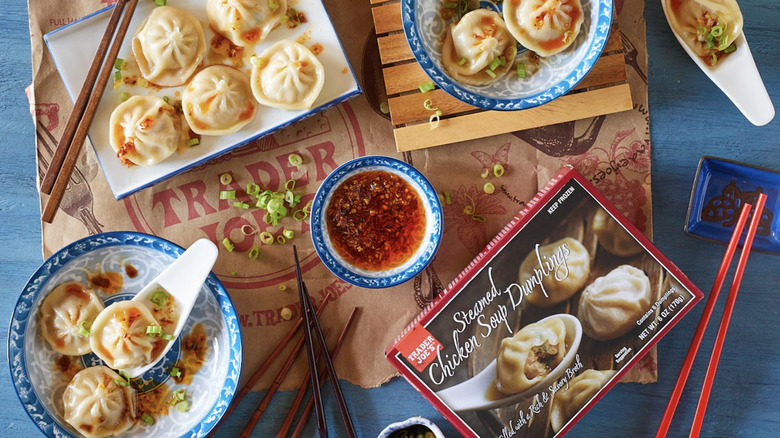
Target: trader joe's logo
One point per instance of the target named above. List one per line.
(419, 347)
(191, 201)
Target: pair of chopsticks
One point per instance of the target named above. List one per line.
(64, 159)
(724, 322)
(313, 332)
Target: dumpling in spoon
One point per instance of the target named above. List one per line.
(545, 26)
(126, 335)
(708, 27)
(478, 50)
(528, 357)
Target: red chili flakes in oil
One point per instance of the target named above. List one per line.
(376, 220)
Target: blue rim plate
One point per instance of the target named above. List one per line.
(31, 359)
(400, 274)
(424, 28)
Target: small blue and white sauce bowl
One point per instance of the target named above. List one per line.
(415, 263)
(425, 26)
(413, 424)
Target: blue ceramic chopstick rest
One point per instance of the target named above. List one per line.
(720, 190)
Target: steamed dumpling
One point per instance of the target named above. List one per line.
(568, 264)
(287, 76)
(169, 46)
(145, 130)
(610, 307)
(612, 236)
(708, 27)
(96, 405)
(119, 336)
(528, 357)
(218, 101)
(62, 311)
(545, 26)
(245, 22)
(478, 40)
(570, 399)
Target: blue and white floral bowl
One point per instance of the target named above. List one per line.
(425, 28)
(399, 274)
(40, 385)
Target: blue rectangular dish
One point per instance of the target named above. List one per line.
(720, 189)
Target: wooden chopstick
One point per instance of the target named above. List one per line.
(712, 368)
(666, 421)
(74, 147)
(334, 378)
(55, 163)
(263, 405)
(305, 383)
(322, 427)
(265, 366)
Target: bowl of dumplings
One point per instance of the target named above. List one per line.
(513, 55)
(75, 328)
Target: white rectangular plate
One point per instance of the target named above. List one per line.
(74, 46)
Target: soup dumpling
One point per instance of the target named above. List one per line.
(611, 305)
(287, 76)
(62, 312)
(218, 101)
(96, 405)
(612, 236)
(479, 49)
(119, 336)
(145, 130)
(571, 398)
(529, 355)
(245, 22)
(708, 27)
(169, 46)
(564, 280)
(545, 26)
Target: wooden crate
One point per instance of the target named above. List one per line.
(603, 91)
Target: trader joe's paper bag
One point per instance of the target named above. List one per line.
(613, 151)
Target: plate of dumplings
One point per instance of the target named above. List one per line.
(197, 79)
(508, 55)
(75, 327)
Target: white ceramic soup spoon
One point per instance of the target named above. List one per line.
(473, 393)
(737, 76)
(183, 279)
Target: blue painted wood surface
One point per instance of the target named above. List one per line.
(689, 118)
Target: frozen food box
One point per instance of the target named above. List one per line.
(546, 319)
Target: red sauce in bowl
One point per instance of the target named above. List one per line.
(376, 220)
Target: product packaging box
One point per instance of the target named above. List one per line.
(546, 319)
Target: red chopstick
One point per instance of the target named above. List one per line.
(666, 421)
(712, 368)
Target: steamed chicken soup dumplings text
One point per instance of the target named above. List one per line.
(66, 316)
(98, 405)
(545, 26)
(566, 264)
(528, 357)
(145, 130)
(708, 27)
(245, 22)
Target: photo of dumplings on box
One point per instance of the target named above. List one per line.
(564, 301)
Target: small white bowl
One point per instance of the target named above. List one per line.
(414, 421)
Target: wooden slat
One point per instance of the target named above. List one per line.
(387, 18)
(486, 123)
(408, 77)
(393, 48)
(615, 42)
(409, 108)
(376, 2)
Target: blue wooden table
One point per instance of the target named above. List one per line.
(690, 118)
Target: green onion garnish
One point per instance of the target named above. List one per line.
(498, 170)
(119, 64)
(179, 394)
(468, 210)
(716, 31)
(240, 204)
(288, 234)
(281, 240)
(714, 59)
(450, 5)
(520, 70)
(193, 142)
(724, 43)
(434, 121)
(289, 185)
(148, 419)
(428, 104)
(464, 6)
(701, 30)
(439, 113)
(273, 5)
(299, 215)
(258, 62)
(568, 36)
(490, 73)
(282, 287)
(183, 406)
(489, 188)
(462, 61)
(427, 86)
(175, 373)
(166, 99)
(159, 2)
(123, 96)
(228, 244)
(124, 375)
(494, 64)
(502, 60)
(384, 107)
(307, 208)
(252, 189)
(84, 327)
(153, 330)
(233, 273)
(143, 83)
(447, 198)
(167, 337)
(117, 85)
(295, 160)
(118, 76)
(485, 173)
(227, 194)
(254, 252)
(121, 382)
(478, 218)
(512, 52)
(225, 178)
(267, 238)
(730, 49)
(159, 298)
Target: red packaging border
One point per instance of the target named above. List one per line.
(516, 225)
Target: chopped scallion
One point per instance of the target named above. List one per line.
(119, 64)
(281, 240)
(498, 170)
(240, 204)
(447, 198)
(384, 107)
(159, 298)
(299, 215)
(254, 252)
(439, 113)
(427, 86)
(468, 210)
(123, 96)
(183, 406)
(160, 2)
(520, 70)
(428, 104)
(167, 337)
(258, 62)
(273, 4)
(489, 188)
(502, 60)
(462, 61)
(179, 394)
(166, 99)
(148, 419)
(84, 327)
(121, 382)
(730, 49)
(118, 76)
(153, 330)
(716, 31)
(701, 30)
(490, 73)
(175, 372)
(143, 83)
(289, 185)
(494, 64)
(225, 178)
(282, 287)
(193, 142)
(724, 43)
(450, 5)
(286, 314)
(267, 238)
(433, 121)
(227, 194)
(252, 189)
(295, 160)
(288, 234)
(228, 244)
(478, 218)
(485, 173)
